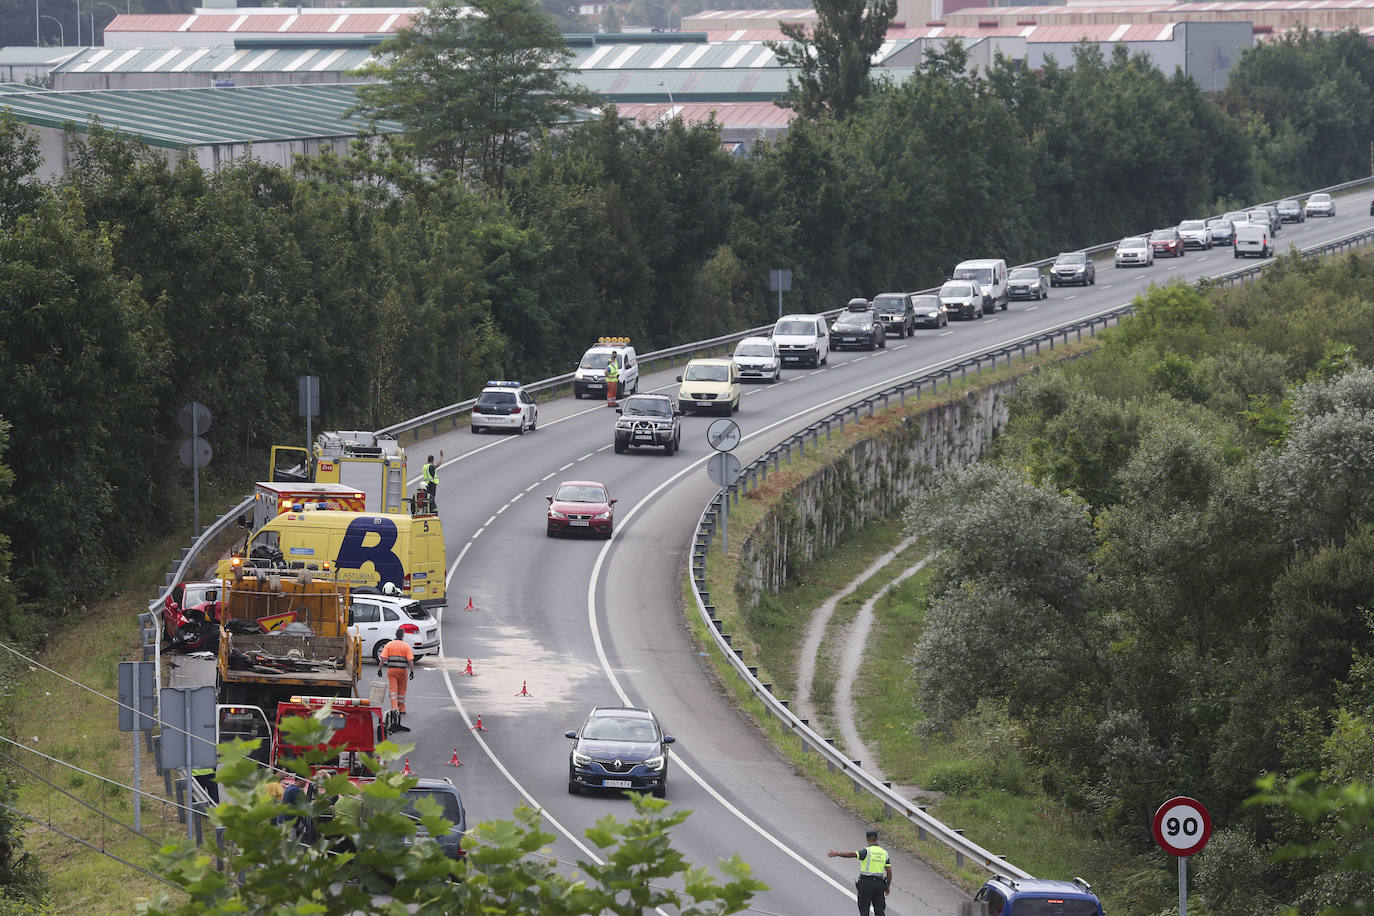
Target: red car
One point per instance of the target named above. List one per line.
(190, 615)
(581, 507)
(1167, 241)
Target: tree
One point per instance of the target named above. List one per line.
(834, 61)
(473, 84)
(506, 868)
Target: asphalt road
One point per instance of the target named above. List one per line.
(580, 623)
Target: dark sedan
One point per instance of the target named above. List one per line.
(1027, 283)
(619, 747)
(855, 329)
(930, 311)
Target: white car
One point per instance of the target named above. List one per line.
(1133, 251)
(374, 619)
(758, 358)
(1195, 233)
(1321, 204)
(504, 405)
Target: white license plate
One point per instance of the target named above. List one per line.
(849, 339)
(704, 403)
(579, 522)
(616, 783)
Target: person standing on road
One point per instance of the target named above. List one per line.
(399, 661)
(612, 381)
(875, 875)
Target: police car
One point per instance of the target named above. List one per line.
(1013, 896)
(504, 405)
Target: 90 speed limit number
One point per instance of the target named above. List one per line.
(1182, 826)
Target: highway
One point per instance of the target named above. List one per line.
(586, 622)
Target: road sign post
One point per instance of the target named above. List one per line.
(1182, 827)
(137, 708)
(194, 419)
(724, 469)
(780, 281)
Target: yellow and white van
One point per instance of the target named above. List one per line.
(360, 548)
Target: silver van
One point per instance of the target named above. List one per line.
(802, 340)
(991, 274)
(1253, 240)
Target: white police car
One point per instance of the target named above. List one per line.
(504, 405)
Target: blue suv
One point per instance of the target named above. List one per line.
(1039, 897)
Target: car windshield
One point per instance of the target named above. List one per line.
(1288, 205)
(1163, 235)
(926, 302)
(1262, 215)
(1071, 257)
(1192, 225)
(1024, 273)
(580, 493)
(1132, 243)
(616, 728)
(698, 373)
(753, 350)
(447, 802)
(956, 289)
(497, 398)
(1051, 906)
(853, 320)
(1237, 216)
(1319, 199)
(890, 304)
(981, 274)
(595, 360)
(795, 327)
(646, 407)
(1221, 224)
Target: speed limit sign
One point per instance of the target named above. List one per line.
(1182, 826)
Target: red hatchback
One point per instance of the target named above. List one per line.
(1167, 241)
(581, 507)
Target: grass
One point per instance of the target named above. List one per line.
(990, 792)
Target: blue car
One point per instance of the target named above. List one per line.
(1039, 897)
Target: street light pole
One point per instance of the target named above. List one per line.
(108, 6)
(61, 32)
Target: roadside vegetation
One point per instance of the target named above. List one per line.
(405, 273)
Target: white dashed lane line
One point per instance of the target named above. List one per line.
(490, 520)
(547, 476)
(563, 468)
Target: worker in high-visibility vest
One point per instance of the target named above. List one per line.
(431, 477)
(612, 381)
(399, 661)
(875, 874)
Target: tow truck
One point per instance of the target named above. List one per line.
(361, 460)
(356, 727)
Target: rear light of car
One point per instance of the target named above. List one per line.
(515, 411)
(405, 583)
(409, 628)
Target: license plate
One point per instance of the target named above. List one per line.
(616, 783)
(644, 435)
(579, 522)
(703, 403)
(849, 339)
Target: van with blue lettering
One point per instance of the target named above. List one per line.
(360, 548)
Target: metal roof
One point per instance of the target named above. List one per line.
(46, 54)
(727, 114)
(217, 59)
(713, 86)
(183, 118)
(283, 21)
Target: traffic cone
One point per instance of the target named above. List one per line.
(406, 770)
(469, 607)
(467, 672)
(455, 762)
(479, 727)
(524, 691)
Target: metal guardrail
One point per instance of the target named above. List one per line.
(756, 472)
(192, 554)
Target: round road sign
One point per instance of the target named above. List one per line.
(723, 468)
(723, 435)
(1182, 826)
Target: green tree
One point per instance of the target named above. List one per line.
(506, 869)
(832, 62)
(474, 84)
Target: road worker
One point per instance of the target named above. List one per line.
(612, 381)
(431, 477)
(875, 874)
(399, 661)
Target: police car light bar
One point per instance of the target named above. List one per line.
(612, 341)
(491, 383)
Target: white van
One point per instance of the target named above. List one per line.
(590, 378)
(1252, 239)
(802, 340)
(991, 274)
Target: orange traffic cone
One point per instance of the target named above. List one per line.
(406, 770)
(455, 762)
(524, 691)
(479, 727)
(467, 672)
(469, 607)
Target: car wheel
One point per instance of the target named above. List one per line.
(660, 791)
(668, 447)
(825, 359)
(520, 430)
(474, 429)
(619, 447)
(734, 408)
(606, 536)
(534, 421)
(577, 394)
(573, 788)
(548, 532)
(377, 652)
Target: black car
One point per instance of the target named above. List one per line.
(1290, 211)
(896, 314)
(619, 747)
(930, 311)
(1073, 267)
(858, 329)
(443, 793)
(648, 420)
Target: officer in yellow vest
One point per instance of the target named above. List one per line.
(875, 875)
(612, 381)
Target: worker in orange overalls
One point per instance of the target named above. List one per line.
(399, 661)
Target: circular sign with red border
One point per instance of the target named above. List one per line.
(1182, 826)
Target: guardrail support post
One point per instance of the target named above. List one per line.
(958, 856)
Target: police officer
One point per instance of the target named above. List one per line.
(431, 474)
(612, 381)
(399, 661)
(875, 874)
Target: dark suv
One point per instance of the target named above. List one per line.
(648, 420)
(896, 312)
(443, 793)
(1039, 897)
(858, 327)
(1073, 267)
(619, 747)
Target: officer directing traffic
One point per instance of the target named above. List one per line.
(875, 875)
